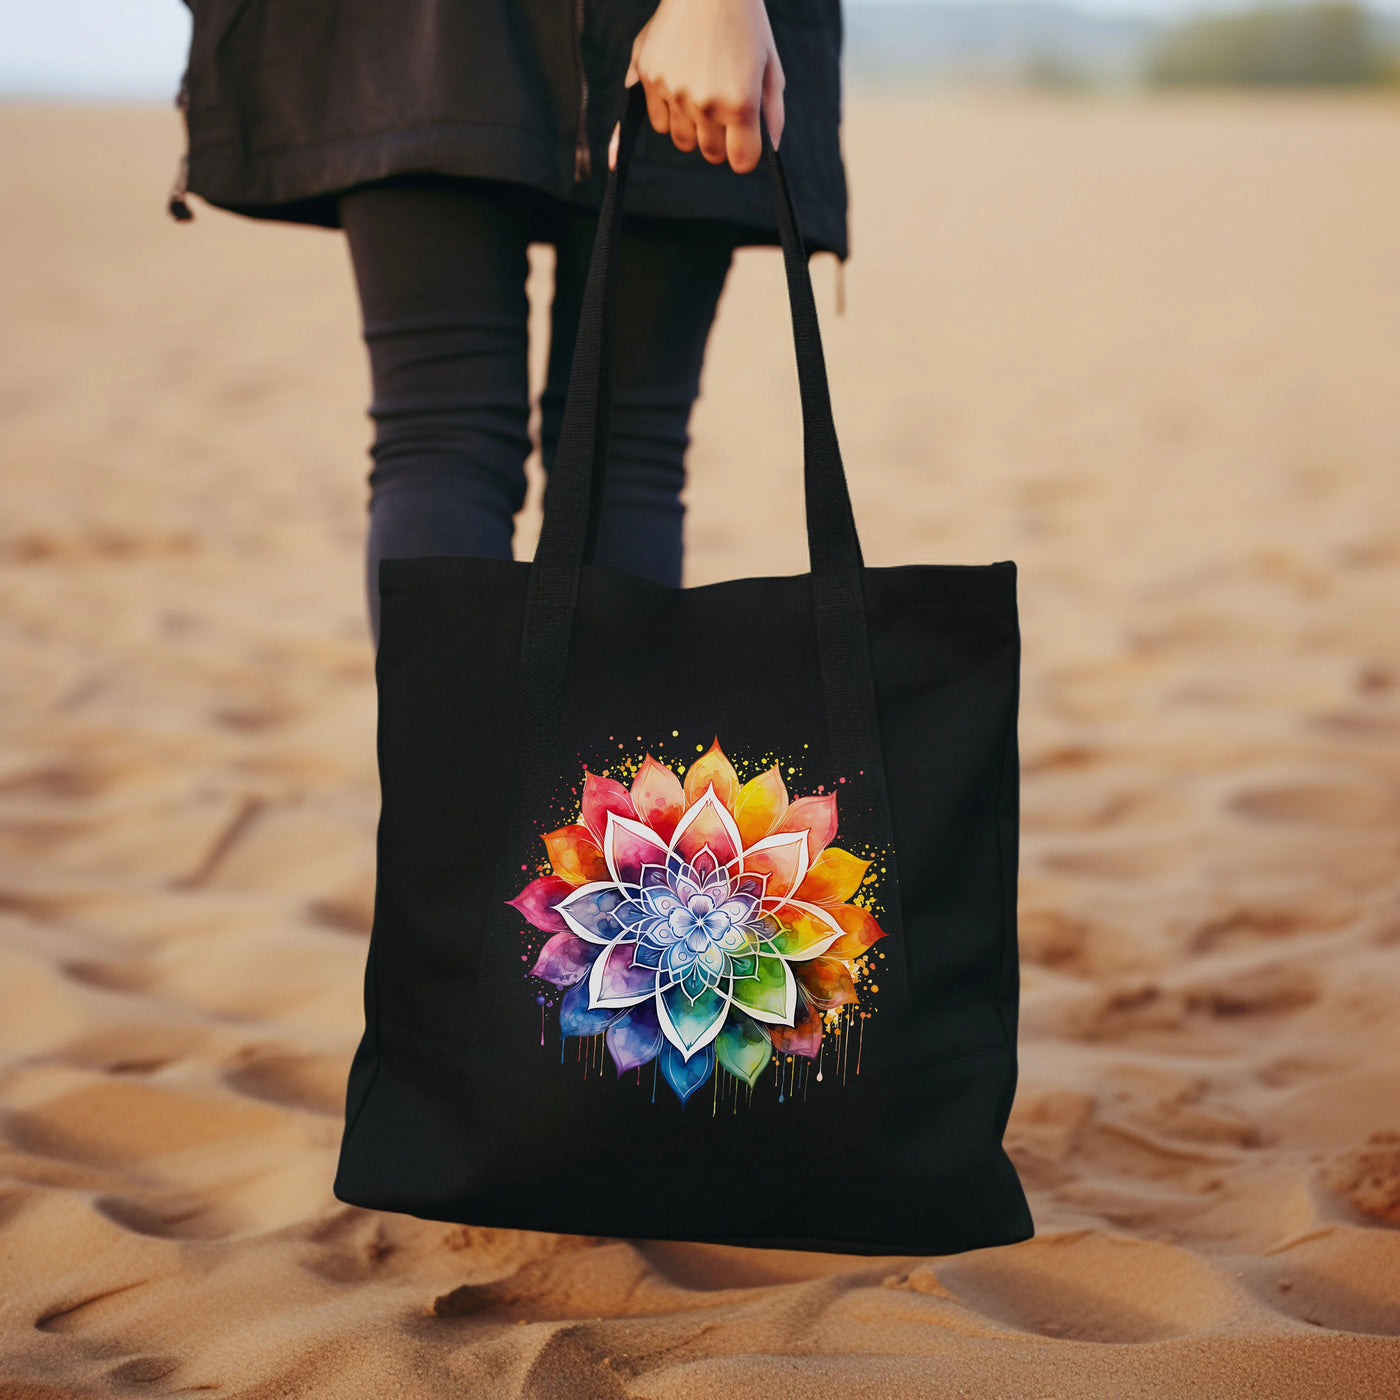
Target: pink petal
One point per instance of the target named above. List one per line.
(783, 859)
(537, 900)
(707, 823)
(658, 797)
(708, 830)
(601, 796)
(627, 846)
(817, 817)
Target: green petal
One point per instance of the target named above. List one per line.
(771, 994)
(744, 1048)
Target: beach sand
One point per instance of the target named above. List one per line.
(1149, 350)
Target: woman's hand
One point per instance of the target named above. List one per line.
(709, 67)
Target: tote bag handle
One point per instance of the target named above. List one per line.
(573, 501)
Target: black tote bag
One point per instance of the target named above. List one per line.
(695, 914)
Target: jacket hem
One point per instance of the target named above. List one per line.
(303, 184)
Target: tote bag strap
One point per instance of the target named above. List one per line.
(573, 502)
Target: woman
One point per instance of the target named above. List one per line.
(445, 136)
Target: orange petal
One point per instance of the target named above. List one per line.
(760, 805)
(861, 932)
(575, 855)
(712, 769)
(817, 817)
(657, 796)
(833, 878)
(826, 982)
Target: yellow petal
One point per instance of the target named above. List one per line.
(833, 878)
(712, 769)
(760, 805)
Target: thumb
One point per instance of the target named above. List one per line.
(633, 73)
(773, 84)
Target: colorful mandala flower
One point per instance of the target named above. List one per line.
(702, 923)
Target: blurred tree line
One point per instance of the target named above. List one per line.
(1331, 43)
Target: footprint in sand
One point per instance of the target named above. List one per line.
(1118, 861)
(313, 1082)
(1341, 1278)
(132, 1049)
(1093, 1287)
(1067, 943)
(167, 1218)
(123, 1122)
(1320, 804)
(1147, 1006)
(110, 975)
(1251, 924)
(141, 1370)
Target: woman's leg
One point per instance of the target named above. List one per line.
(441, 269)
(672, 276)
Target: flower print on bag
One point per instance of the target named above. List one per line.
(701, 923)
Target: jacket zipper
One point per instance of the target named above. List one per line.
(583, 158)
(176, 202)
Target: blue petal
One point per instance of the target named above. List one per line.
(577, 1018)
(635, 1037)
(686, 1076)
(594, 911)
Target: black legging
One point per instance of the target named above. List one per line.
(441, 267)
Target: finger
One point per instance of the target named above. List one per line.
(682, 128)
(613, 142)
(744, 144)
(658, 109)
(773, 84)
(633, 72)
(711, 136)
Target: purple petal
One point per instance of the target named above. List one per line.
(740, 909)
(635, 1037)
(620, 980)
(589, 912)
(565, 959)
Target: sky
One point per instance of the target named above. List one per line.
(136, 48)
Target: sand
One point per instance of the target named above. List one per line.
(1147, 349)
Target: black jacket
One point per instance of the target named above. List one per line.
(290, 102)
